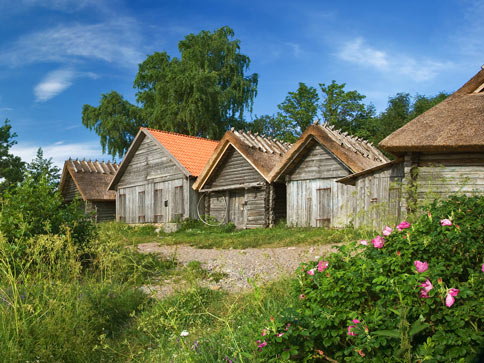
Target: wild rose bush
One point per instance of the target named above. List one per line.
(415, 293)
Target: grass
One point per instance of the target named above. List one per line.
(54, 309)
(198, 235)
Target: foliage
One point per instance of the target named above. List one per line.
(11, 166)
(202, 93)
(41, 167)
(34, 207)
(395, 300)
(343, 109)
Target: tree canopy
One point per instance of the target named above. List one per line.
(41, 167)
(11, 166)
(203, 93)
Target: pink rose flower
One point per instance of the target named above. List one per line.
(403, 225)
(387, 231)
(421, 266)
(311, 272)
(483, 267)
(426, 287)
(280, 335)
(262, 345)
(301, 297)
(322, 265)
(355, 321)
(364, 242)
(445, 222)
(378, 242)
(449, 299)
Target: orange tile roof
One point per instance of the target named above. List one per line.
(192, 152)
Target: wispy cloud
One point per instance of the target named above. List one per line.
(66, 6)
(116, 41)
(60, 151)
(4, 109)
(357, 51)
(54, 83)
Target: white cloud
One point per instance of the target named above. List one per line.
(54, 83)
(357, 51)
(66, 6)
(116, 41)
(4, 109)
(60, 151)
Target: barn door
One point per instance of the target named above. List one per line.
(324, 207)
(237, 212)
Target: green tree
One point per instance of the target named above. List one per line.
(274, 126)
(43, 167)
(202, 93)
(11, 166)
(299, 109)
(344, 109)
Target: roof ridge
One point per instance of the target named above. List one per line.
(178, 134)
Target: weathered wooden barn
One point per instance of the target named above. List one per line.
(235, 181)
(310, 170)
(154, 181)
(439, 153)
(89, 181)
(443, 148)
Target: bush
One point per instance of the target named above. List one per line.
(370, 302)
(34, 208)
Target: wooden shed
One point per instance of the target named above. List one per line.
(443, 148)
(310, 169)
(235, 181)
(89, 181)
(154, 181)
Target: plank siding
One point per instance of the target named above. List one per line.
(150, 170)
(233, 170)
(378, 198)
(317, 162)
(314, 170)
(105, 211)
(70, 190)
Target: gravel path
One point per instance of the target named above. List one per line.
(261, 264)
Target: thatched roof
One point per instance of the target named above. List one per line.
(263, 153)
(91, 178)
(454, 125)
(189, 153)
(357, 154)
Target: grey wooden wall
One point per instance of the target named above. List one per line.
(238, 193)
(70, 191)
(313, 196)
(153, 189)
(378, 198)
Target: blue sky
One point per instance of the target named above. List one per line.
(57, 55)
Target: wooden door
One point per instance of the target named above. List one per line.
(324, 207)
(237, 211)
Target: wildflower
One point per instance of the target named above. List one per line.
(311, 272)
(387, 231)
(426, 287)
(262, 345)
(195, 345)
(322, 265)
(483, 267)
(320, 352)
(264, 332)
(280, 335)
(439, 280)
(403, 225)
(445, 222)
(421, 266)
(355, 321)
(364, 242)
(361, 353)
(378, 242)
(287, 326)
(301, 297)
(272, 318)
(398, 253)
(449, 299)
(184, 333)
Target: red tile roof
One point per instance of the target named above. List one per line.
(192, 152)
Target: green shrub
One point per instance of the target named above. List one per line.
(372, 303)
(34, 208)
